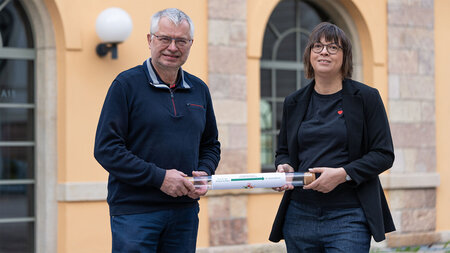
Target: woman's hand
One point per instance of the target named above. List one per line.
(284, 168)
(328, 180)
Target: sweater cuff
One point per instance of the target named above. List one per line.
(158, 176)
(206, 169)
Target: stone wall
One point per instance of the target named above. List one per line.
(227, 58)
(412, 117)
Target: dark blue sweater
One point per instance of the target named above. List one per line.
(146, 128)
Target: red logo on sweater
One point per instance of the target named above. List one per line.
(340, 112)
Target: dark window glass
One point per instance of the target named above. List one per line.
(15, 27)
(286, 82)
(17, 201)
(16, 81)
(269, 42)
(17, 237)
(285, 39)
(16, 163)
(284, 16)
(16, 124)
(287, 49)
(266, 82)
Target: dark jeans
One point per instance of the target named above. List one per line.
(173, 230)
(311, 229)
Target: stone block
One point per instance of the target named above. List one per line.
(407, 239)
(229, 9)
(223, 135)
(233, 161)
(218, 32)
(228, 232)
(417, 13)
(413, 135)
(403, 61)
(428, 111)
(419, 220)
(397, 217)
(238, 206)
(238, 87)
(407, 111)
(426, 62)
(227, 60)
(426, 160)
(230, 111)
(238, 34)
(248, 248)
(412, 199)
(228, 86)
(399, 162)
(238, 136)
(218, 208)
(417, 87)
(400, 37)
(219, 85)
(394, 86)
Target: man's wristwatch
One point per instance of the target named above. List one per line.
(348, 178)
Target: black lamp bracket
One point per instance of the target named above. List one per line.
(103, 49)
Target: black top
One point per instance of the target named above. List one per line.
(322, 141)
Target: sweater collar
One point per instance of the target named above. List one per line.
(155, 81)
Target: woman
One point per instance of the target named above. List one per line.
(338, 128)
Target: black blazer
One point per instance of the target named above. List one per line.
(369, 145)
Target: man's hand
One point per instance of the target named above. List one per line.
(284, 168)
(197, 192)
(328, 180)
(175, 184)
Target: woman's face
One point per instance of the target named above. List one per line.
(324, 63)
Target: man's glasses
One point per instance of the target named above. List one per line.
(166, 40)
(332, 48)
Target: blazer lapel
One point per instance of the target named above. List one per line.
(295, 114)
(354, 118)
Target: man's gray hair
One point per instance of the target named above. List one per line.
(175, 15)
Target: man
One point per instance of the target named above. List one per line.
(157, 126)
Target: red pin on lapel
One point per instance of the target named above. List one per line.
(340, 112)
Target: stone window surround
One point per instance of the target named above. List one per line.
(46, 111)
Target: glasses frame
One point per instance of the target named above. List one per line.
(177, 40)
(326, 46)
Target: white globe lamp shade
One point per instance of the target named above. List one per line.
(113, 25)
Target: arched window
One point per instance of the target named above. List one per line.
(17, 130)
(285, 38)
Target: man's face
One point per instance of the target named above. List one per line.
(170, 56)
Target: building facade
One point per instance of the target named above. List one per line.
(249, 52)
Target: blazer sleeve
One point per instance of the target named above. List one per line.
(377, 147)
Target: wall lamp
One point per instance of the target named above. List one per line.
(113, 26)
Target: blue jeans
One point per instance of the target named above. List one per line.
(172, 230)
(311, 229)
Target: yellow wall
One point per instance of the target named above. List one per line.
(442, 92)
(261, 211)
(83, 227)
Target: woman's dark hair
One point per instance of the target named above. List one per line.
(334, 34)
